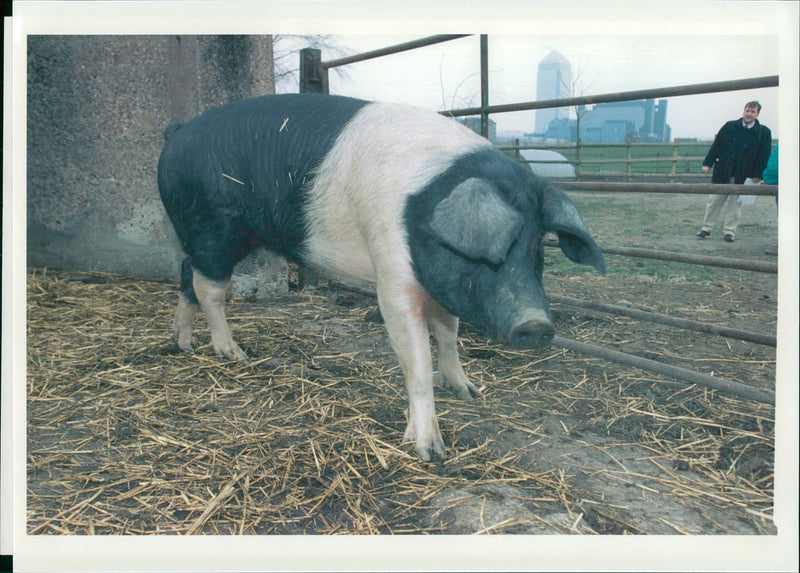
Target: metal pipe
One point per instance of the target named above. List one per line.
(484, 85)
(665, 144)
(692, 89)
(696, 326)
(721, 262)
(396, 49)
(683, 374)
(687, 188)
(630, 161)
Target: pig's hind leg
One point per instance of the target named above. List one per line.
(198, 291)
(211, 295)
(445, 329)
(187, 308)
(216, 245)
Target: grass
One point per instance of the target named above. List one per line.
(668, 223)
(689, 163)
(690, 158)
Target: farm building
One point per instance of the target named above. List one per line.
(558, 169)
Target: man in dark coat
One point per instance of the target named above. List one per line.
(740, 151)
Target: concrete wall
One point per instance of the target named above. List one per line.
(97, 109)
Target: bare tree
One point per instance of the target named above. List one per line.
(456, 100)
(577, 88)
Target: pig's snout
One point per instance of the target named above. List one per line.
(521, 320)
(531, 334)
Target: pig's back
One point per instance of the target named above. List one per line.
(253, 160)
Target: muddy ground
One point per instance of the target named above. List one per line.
(127, 435)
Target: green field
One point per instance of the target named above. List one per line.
(668, 223)
(689, 162)
(646, 159)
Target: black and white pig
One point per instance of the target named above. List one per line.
(438, 220)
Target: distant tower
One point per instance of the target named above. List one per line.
(553, 81)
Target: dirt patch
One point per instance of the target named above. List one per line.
(127, 435)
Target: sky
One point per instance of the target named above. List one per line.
(613, 46)
(446, 76)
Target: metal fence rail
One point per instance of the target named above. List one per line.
(719, 262)
(667, 320)
(691, 89)
(316, 77)
(715, 382)
(389, 50)
(679, 188)
(631, 155)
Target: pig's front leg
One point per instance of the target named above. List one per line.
(403, 311)
(445, 328)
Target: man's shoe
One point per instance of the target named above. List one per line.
(701, 234)
(728, 238)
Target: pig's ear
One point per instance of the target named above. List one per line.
(476, 221)
(561, 216)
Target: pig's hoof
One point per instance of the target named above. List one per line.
(231, 351)
(183, 338)
(427, 447)
(463, 389)
(427, 453)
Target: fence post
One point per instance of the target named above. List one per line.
(484, 85)
(628, 163)
(674, 171)
(578, 156)
(313, 77)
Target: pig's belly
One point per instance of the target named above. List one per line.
(344, 257)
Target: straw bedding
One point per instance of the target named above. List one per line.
(128, 435)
